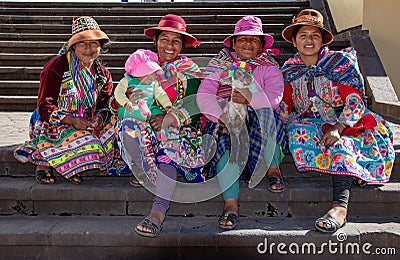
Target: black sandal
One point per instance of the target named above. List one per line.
(274, 180)
(154, 229)
(332, 225)
(231, 217)
(45, 176)
(75, 179)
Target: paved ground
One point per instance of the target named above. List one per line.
(15, 127)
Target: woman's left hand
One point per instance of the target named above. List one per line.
(97, 122)
(156, 122)
(332, 135)
(242, 96)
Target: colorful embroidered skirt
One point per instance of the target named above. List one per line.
(180, 149)
(369, 156)
(70, 151)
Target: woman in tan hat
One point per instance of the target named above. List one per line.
(259, 149)
(71, 130)
(160, 158)
(330, 129)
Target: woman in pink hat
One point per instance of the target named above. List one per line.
(260, 149)
(71, 129)
(330, 129)
(179, 150)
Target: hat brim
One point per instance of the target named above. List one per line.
(88, 35)
(145, 69)
(190, 39)
(287, 33)
(269, 40)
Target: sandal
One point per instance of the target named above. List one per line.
(75, 179)
(154, 229)
(274, 180)
(45, 176)
(332, 225)
(231, 217)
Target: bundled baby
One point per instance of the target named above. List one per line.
(141, 71)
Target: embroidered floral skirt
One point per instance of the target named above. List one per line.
(180, 149)
(368, 156)
(69, 151)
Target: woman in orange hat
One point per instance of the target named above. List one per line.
(178, 151)
(71, 130)
(330, 129)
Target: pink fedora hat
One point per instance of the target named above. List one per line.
(250, 25)
(142, 63)
(173, 23)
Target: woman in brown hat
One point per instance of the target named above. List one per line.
(71, 130)
(330, 129)
(178, 150)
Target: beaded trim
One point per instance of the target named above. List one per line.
(83, 24)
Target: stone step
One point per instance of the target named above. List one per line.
(18, 103)
(12, 36)
(122, 47)
(194, 29)
(160, 5)
(113, 196)
(123, 18)
(19, 88)
(92, 237)
(158, 8)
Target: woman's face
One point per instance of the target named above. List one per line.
(247, 47)
(308, 42)
(87, 51)
(169, 45)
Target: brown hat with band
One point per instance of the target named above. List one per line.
(308, 17)
(86, 29)
(173, 23)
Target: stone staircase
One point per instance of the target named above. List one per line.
(95, 220)
(31, 34)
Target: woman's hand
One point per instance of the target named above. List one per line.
(332, 135)
(134, 95)
(78, 122)
(97, 122)
(156, 122)
(242, 96)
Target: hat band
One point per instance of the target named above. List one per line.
(248, 28)
(308, 18)
(173, 24)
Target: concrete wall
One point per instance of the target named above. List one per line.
(346, 13)
(381, 19)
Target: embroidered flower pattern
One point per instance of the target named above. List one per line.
(301, 136)
(322, 161)
(298, 156)
(309, 157)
